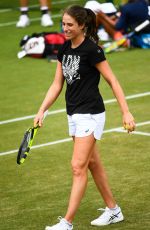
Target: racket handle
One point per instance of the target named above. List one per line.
(142, 25)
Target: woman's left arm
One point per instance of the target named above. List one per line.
(106, 71)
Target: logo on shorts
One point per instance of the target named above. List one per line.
(86, 131)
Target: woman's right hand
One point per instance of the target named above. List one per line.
(38, 120)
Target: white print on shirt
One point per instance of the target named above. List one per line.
(70, 67)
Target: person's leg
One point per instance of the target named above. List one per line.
(24, 7)
(101, 20)
(80, 160)
(45, 7)
(45, 2)
(109, 25)
(23, 19)
(112, 213)
(24, 3)
(101, 180)
(81, 155)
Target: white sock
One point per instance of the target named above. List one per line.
(115, 208)
(67, 222)
(44, 8)
(25, 8)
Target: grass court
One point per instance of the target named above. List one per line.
(34, 194)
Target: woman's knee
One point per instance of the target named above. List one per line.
(78, 167)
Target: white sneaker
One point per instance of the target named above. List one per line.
(23, 21)
(62, 225)
(108, 217)
(46, 20)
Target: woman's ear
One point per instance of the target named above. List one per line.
(83, 27)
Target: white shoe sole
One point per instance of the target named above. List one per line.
(19, 26)
(111, 222)
(46, 25)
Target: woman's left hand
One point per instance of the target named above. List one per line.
(128, 122)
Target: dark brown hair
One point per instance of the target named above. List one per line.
(85, 17)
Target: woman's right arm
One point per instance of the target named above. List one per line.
(51, 95)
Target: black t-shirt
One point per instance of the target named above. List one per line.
(82, 77)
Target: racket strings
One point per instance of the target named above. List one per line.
(26, 144)
(24, 148)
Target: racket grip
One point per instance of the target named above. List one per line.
(142, 25)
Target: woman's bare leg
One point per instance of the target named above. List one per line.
(100, 178)
(23, 3)
(80, 160)
(45, 3)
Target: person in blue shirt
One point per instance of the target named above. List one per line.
(132, 13)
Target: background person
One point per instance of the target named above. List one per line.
(80, 62)
(107, 8)
(24, 20)
(132, 14)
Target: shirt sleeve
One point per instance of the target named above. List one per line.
(60, 54)
(96, 55)
(121, 23)
(61, 51)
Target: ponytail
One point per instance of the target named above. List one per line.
(85, 17)
(91, 28)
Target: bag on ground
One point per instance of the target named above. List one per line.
(41, 45)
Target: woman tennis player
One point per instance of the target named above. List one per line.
(80, 63)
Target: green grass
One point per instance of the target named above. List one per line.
(34, 194)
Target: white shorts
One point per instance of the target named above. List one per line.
(82, 125)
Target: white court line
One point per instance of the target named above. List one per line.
(129, 97)
(32, 20)
(135, 132)
(30, 117)
(37, 5)
(63, 110)
(5, 10)
(119, 129)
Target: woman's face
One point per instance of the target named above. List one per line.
(71, 28)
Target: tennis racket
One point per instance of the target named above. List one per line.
(27, 142)
(112, 46)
